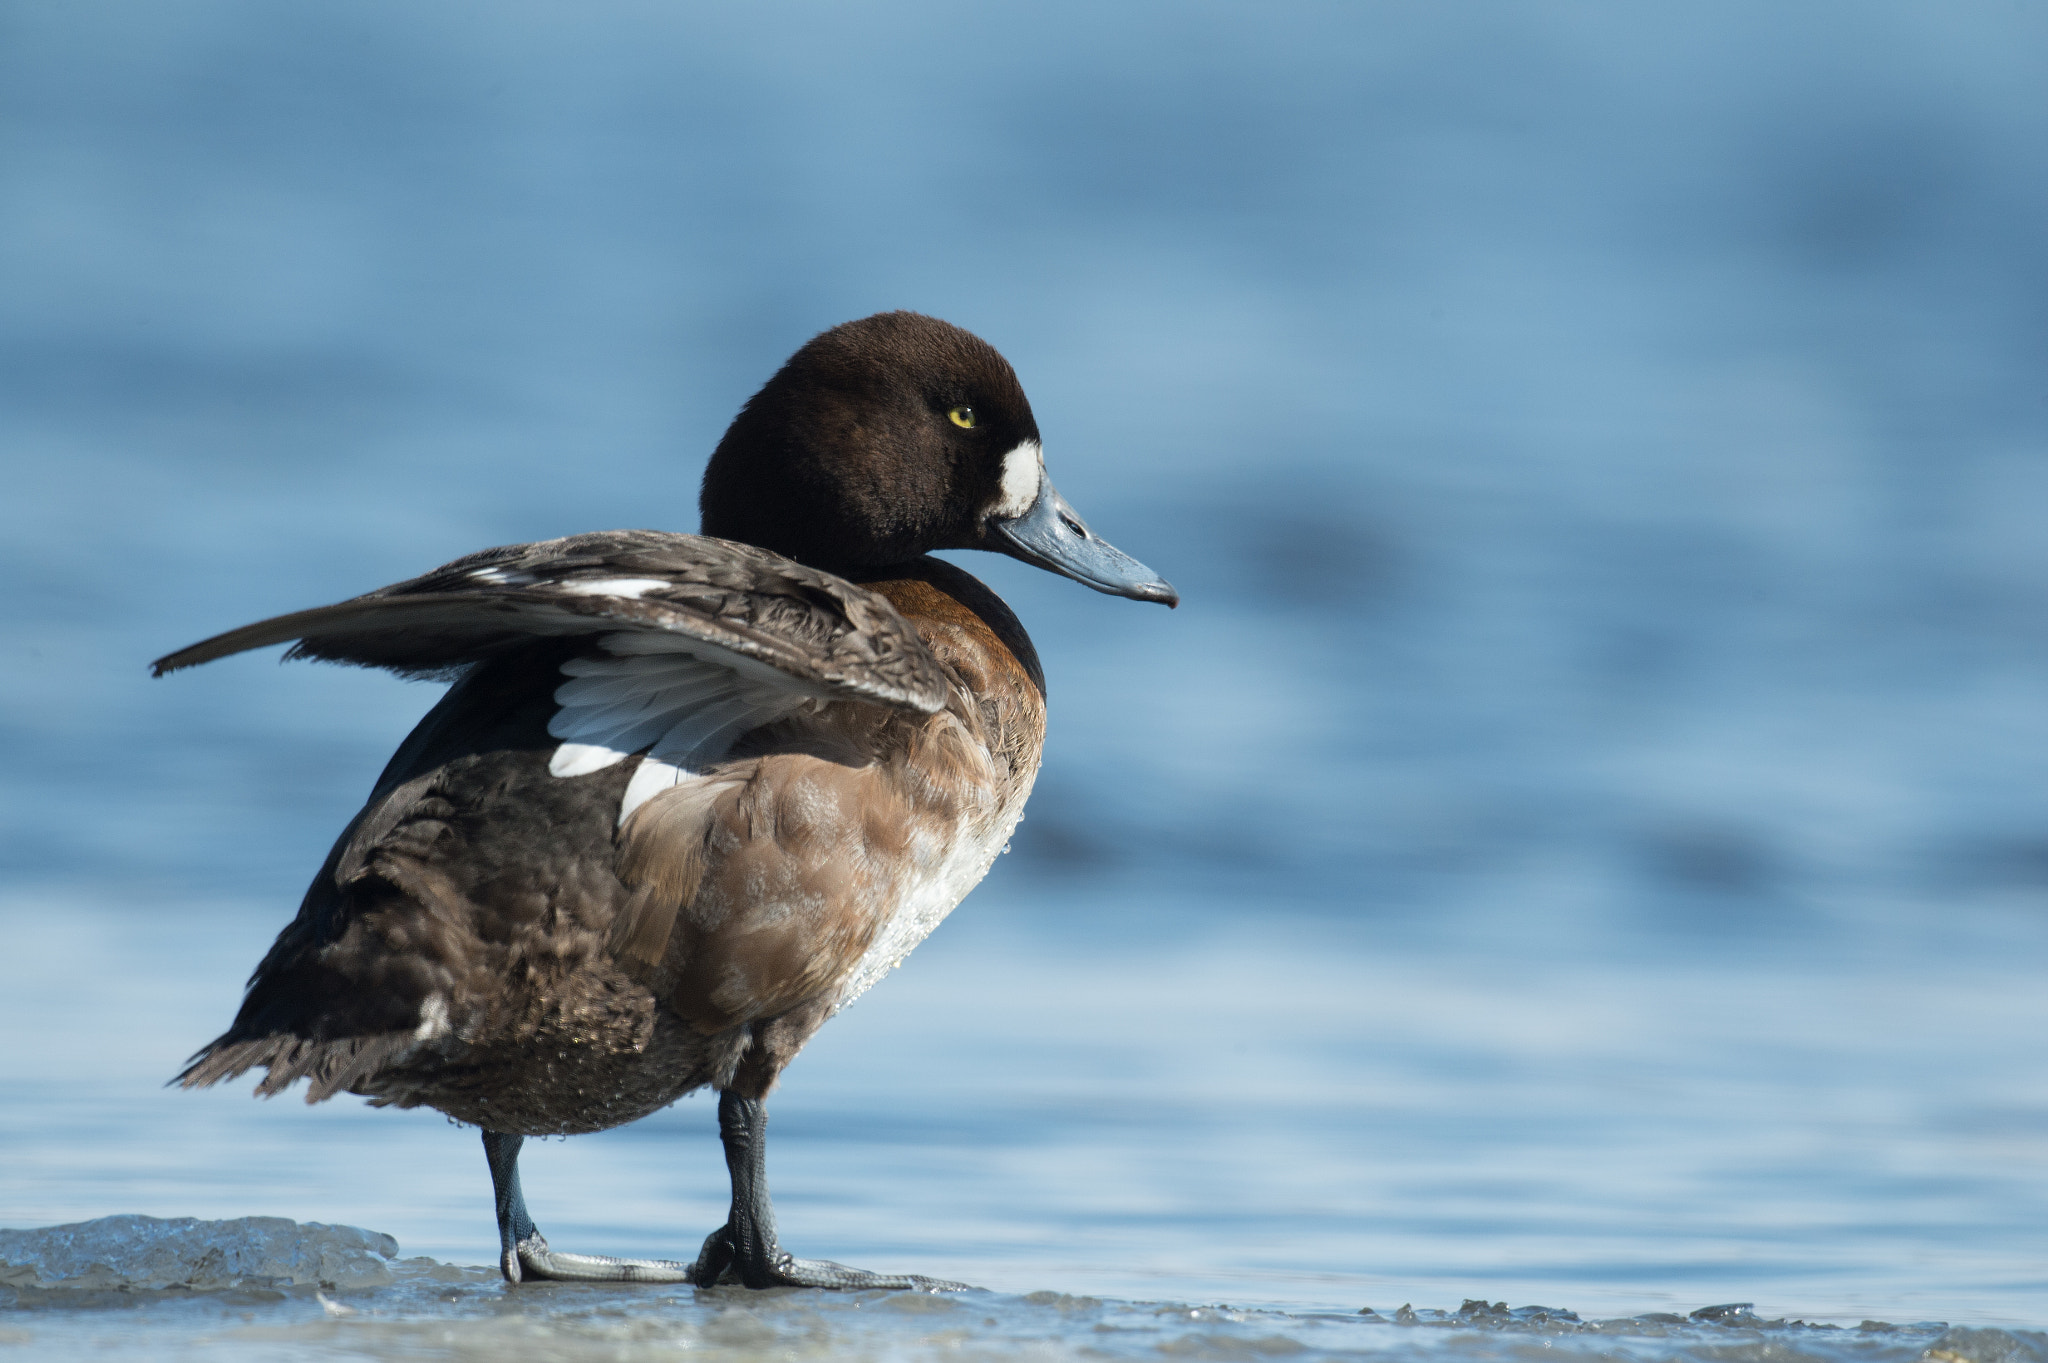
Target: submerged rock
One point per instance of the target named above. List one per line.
(154, 1252)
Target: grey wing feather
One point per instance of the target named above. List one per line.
(755, 611)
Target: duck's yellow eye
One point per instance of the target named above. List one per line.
(963, 417)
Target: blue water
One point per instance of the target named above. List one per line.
(1583, 841)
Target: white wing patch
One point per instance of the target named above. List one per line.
(628, 587)
(503, 577)
(681, 701)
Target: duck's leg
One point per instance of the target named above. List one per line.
(523, 1251)
(745, 1250)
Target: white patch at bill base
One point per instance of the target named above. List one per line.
(1023, 475)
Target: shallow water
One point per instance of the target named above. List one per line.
(1309, 1116)
(417, 1308)
(428, 1310)
(1583, 841)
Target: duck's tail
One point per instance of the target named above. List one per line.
(329, 1067)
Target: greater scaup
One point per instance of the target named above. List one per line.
(689, 795)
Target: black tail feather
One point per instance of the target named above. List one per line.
(330, 1067)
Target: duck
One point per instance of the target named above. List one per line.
(687, 796)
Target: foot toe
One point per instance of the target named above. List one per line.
(793, 1272)
(535, 1261)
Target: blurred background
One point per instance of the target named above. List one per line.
(1583, 839)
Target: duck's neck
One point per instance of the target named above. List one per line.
(931, 589)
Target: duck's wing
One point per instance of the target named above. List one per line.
(763, 621)
(666, 646)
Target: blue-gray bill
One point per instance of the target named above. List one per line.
(1051, 535)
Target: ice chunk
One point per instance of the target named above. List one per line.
(154, 1252)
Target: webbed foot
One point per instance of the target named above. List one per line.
(743, 1251)
(723, 1262)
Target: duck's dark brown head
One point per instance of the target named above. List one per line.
(884, 439)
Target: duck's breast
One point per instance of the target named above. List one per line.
(800, 868)
(989, 742)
